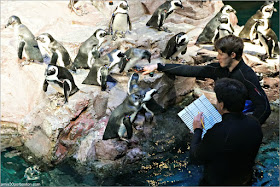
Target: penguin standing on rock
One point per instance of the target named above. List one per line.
(224, 29)
(99, 72)
(161, 14)
(267, 38)
(209, 30)
(132, 56)
(27, 45)
(59, 55)
(60, 79)
(120, 21)
(249, 30)
(176, 45)
(83, 59)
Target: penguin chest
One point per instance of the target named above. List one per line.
(57, 86)
(120, 23)
(179, 49)
(60, 61)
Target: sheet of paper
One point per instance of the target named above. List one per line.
(202, 104)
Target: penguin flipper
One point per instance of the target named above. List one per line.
(128, 21)
(128, 125)
(54, 58)
(45, 85)
(90, 80)
(20, 49)
(66, 88)
(184, 51)
(111, 24)
(170, 48)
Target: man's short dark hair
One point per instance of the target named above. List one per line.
(229, 44)
(232, 93)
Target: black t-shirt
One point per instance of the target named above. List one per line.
(241, 72)
(228, 150)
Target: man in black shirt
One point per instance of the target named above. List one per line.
(227, 150)
(231, 65)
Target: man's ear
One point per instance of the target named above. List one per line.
(233, 55)
(222, 105)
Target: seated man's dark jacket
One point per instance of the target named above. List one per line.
(241, 72)
(228, 150)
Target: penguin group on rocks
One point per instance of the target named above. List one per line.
(58, 72)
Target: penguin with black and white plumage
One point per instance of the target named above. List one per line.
(121, 119)
(132, 56)
(27, 45)
(61, 80)
(224, 29)
(268, 39)
(208, 33)
(59, 55)
(176, 45)
(84, 57)
(249, 30)
(162, 12)
(120, 22)
(99, 72)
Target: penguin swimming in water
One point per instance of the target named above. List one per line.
(249, 30)
(83, 59)
(27, 45)
(224, 29)
(208, 32)
(132, 56)
(120, 21)
(60, 79)
(176, 45)
(59, 55)
(121, 119)
(99, 72)
(162, 12)
(267, 38)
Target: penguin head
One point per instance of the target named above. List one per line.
(100, 33)
(51, 71)
(226, 9)
(13, 20)
(175, 4)
(148, 95)
(267, 9)
(182, 39)
(45, 38)
(123, 5)
(135, 98)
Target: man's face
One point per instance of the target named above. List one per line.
(224, 60)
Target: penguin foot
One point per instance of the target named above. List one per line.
(25, 63)
(166, 29)
(124, 139)
(114, 37)
(263, 57)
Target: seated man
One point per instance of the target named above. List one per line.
(227, 150)
(231, 65)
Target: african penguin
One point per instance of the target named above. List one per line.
(59, 55)
(249, 30)
(224, 29)
(132, 56)
(162, 12)
(267, 38)
(99, 72)
(27, 45)
(208, 32)
(120, 21)
(83, 59)
(176, 45)
(60, 79)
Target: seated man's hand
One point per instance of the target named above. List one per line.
(197, 121)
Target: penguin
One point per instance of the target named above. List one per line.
(61, 79)
(249, 30)
(99, 72)
(267, 38)
(176, 45)
(208, 32)
(59, 55)
(119, 122)
(132, 56)
(162, 12)
(27, 45)
(224, 29)
(120, 21)
(84, 57)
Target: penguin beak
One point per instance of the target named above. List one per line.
(8, 24)
(182, 7)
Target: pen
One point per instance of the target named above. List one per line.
(202, 122)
